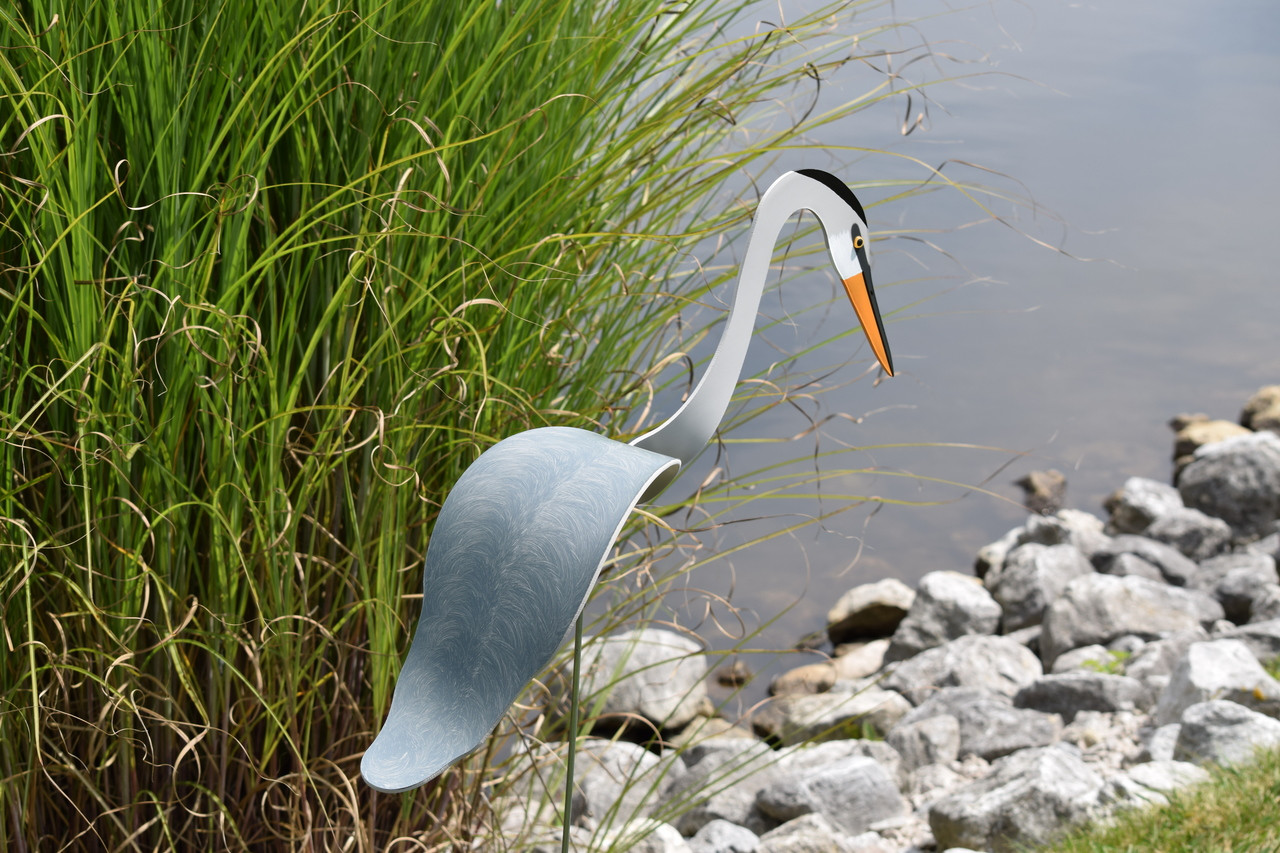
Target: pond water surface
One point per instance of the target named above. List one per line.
(1148, 134)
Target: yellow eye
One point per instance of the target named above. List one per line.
(858, 242)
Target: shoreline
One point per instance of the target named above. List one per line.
(1089, 666)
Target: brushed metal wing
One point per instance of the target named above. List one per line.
(514, 554)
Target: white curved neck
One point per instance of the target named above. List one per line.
(686, 432)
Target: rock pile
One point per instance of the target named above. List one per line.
(1090, 666)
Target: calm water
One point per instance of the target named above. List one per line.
(1151, 129)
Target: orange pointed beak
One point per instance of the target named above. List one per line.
(864, 304)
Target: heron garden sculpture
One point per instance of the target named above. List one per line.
(520, 540)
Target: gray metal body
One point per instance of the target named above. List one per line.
(521, 538)
(514, 555)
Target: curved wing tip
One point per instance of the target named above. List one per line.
(403, 771)
(391, 782)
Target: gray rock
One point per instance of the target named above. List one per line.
(929, 782)
(870, 842)
(1233, 580)
(546, 839)
(1071, 527)
(990, 726)
(1032, 576)
(1265, 605)
(999, 663)
(1224, 732)
(805, 760)
(1217, 669)
(1262, 638)
(856, 660)
(1194, 431)
(706, 733)
(1195, 534)
(1159, 743)
(991, 557)
(1071, 692)
(1139, 502)
(870, 610)
(1107, 739)
(1236, 480)
(1131, 564)
(931, 741)
(852, 793)
(1168, 776)
(811, 833)
(1028, 636)
(947, 605)
(1262, 410)
(715, 741)
(1176, 568)
(655, 674)
(838, 714)
(643, 836)
(1028, 799)
(613, 781)
(1154, 662)
(1126, 644)
(1099, 608)
(1147, 784)
(1065, 527)
(617, 779)
(721, 836)
(723, 783)
(1269, 544)
(1221, 625)
(853, 662)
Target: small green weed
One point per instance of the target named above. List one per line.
(1113, 665)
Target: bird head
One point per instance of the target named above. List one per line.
(845, 226)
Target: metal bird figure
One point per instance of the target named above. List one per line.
(521, 538)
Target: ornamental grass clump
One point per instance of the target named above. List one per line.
(271, 276)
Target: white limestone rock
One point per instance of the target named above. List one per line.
(1192, 532)
(1236, 480)
(853, 661)
(1224, 732)
(1233, 580)
(932, 740)
(1091, 658)
(947, 605)
(1100, 608)
(618, 779)
(1139, 502)
(1217, 669)
(1262, 638)
(977, 660)
(643, 836)
(1033, 575)
(1174, 567)
(1069, 693)
(852, 793)
(1029, 798)
(656, 674)
(811, 833)
(990, 726)
(869, 610)
(1149, 784)
(721, 836)
(840, 713)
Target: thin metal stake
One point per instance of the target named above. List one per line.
(573, 736)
